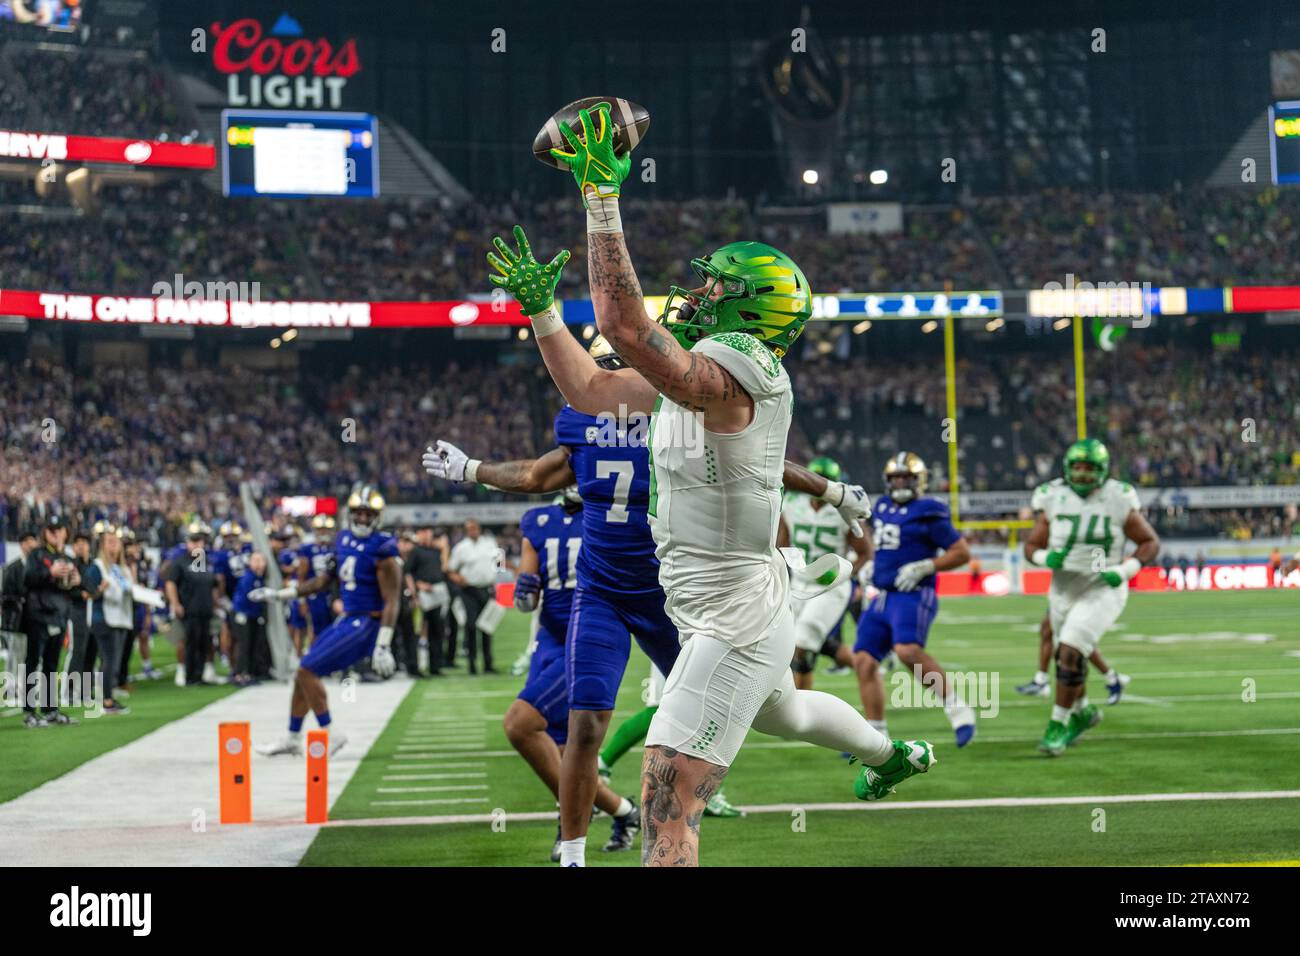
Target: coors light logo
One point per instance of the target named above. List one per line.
(283, 68)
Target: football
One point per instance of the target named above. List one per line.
(630, 124)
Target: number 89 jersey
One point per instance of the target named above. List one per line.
(613, 471)
(1089, 530)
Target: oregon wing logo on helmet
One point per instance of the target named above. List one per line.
(749, 287)
(1086, 459)
(365, 498)
(909, 465)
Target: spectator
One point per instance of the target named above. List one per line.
(192, 593)
(473, 568)
(49, 577)
(108, 581)
(252, 648)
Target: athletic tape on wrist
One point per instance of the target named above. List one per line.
(546, 323)
(385, 636)
(471, 469)
(602, 213)
(1039, 557)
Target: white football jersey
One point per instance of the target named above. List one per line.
(715, 499)
(814, 531)
(1090, 530)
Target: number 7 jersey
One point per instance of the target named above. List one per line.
(612, 466)
(1089, 530)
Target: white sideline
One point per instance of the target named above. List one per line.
(135, 806)
(976, 803)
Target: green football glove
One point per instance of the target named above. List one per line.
(1055, 560)
(531, 283)
(592, 158)
(1112, 578)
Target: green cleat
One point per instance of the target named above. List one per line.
(718, 806)
(1085, 719)
(1055, 739)
(910, 757)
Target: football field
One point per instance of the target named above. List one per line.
(1197, 765)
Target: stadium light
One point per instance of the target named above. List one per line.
(588, 331)
(523, 335)
(1060, 325)
(863, 326)
(929, 327)
(993, 325)
(879, 177)
(810, 177)
(290, 335)
(275, 343)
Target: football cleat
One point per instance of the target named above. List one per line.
(555, 849)
(337, 741)
(289, 744)
(56, 718)
(719, 806)
(910, 757)
(1034, 689)
(622, 835)
(32, 721)
(965, 734)
(1054, 739)
(180, 675)
(1080, 721)
(1116, 690)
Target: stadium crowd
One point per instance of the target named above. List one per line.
(153, 447)
(428, 249)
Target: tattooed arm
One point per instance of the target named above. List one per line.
(532, 476)
(589, 388)
(694, 381)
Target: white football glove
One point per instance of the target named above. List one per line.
(865, 573)
(910, 575)
(449, 463)
(851, 502)
(259, 595)
(382, 661)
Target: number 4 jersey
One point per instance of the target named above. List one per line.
(612, 465)
(1089, 530)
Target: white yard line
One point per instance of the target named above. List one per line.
(971, 804)
(140, 805)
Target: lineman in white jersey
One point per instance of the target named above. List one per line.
(816, 530)
(722, 406)
(1082, 523)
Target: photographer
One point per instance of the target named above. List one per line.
(49, 577)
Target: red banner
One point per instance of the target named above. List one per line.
(218, 313)
(1265, 298)
(1213, 577)
(58, 147)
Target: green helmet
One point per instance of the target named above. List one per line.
(828, 468)
(1090, 452)
(763, 292)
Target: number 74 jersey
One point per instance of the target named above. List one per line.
(1089, 530)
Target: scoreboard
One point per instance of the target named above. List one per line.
(1284, 141)
(289, 154)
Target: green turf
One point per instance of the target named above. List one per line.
(1155, 742)
(31, 757)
